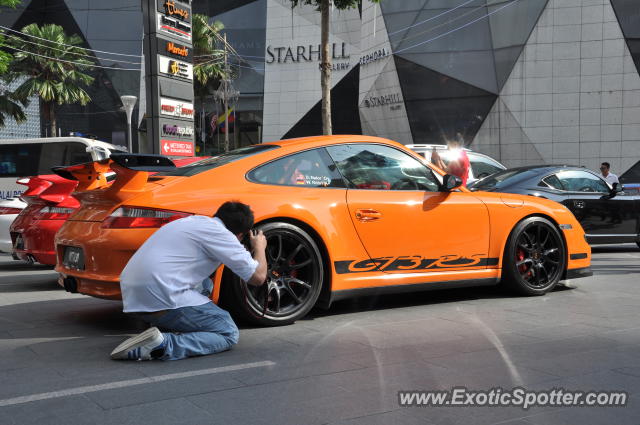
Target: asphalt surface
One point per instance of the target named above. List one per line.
(345, 365)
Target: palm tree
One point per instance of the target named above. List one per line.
(51, 64)
(208, 59)
(9, 105)
(12, 107)
(324, 6)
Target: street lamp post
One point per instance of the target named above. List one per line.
(129, 102)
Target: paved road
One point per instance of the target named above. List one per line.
(342, 366)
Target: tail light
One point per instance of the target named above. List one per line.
(8, 210)
(130, 217)
(54, 213)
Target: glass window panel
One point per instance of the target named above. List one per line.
(552, 181)
(309, 169)
(512, 25)
(628, 16)
(483, 166)
(377, 167)
(19, 160)
(582, 181)
(632, 175)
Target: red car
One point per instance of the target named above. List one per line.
(49, 203)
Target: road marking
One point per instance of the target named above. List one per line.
(128, 383)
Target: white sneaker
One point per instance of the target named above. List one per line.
(139, 347)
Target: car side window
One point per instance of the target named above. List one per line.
(582, 181)
(313, 168)
(378, 167)
(551, 181)
(481, 166)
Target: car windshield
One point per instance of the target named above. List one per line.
(217, 161)
(503, 179)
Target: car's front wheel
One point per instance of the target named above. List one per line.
(535, 257)
(294, 279)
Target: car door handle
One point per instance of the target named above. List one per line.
(367, 214)
(578, 204)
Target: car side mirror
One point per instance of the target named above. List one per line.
(450, 182)
(616, 188)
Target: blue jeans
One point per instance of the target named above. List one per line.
(196, 331)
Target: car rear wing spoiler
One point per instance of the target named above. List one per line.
(143, 162)
(132, 173)
(90, 175)
(48, 188)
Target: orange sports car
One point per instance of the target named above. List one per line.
(343, 216)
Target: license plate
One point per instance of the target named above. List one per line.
(19, 243)
(73, 258)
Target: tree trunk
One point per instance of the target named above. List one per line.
(44, 107)
(325, 68)
(52, 119)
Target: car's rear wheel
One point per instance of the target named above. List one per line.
(294, 279)
(535, 257)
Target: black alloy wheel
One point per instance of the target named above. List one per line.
(535, 257)
(294, 279)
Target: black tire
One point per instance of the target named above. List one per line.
(535, 257)
(295, 278)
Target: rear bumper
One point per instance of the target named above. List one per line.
(578, 273)
(93, 288)
(38, 238)
(106, 253)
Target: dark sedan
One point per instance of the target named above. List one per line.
(607, 214)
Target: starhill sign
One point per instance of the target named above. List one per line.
(304, 53)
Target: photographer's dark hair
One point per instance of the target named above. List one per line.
(236, 217)
(606, 164)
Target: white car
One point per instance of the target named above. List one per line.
(481, 165)
(9, 210)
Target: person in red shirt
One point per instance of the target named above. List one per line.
(459, 163)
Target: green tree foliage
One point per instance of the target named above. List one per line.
(208, 58)
(52, 64)
(9, 105)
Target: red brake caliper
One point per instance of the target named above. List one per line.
(522, 267)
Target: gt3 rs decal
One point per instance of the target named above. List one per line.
(412, 262)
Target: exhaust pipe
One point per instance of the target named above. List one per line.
(70, 284)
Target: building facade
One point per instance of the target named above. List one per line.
(525, 81)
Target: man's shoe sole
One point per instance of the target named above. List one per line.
(140, 339)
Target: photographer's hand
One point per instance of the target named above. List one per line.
(258, 247)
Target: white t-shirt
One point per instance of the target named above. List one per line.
(167, 270)
(611, 178)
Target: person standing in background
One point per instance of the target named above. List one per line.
(459, 164)
(605, 174)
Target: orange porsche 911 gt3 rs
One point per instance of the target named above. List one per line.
(343, 216)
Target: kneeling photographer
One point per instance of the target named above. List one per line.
(162, 283)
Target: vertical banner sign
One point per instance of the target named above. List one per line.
(168, 53)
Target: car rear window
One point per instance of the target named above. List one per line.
(502, 179)
(218, 161)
